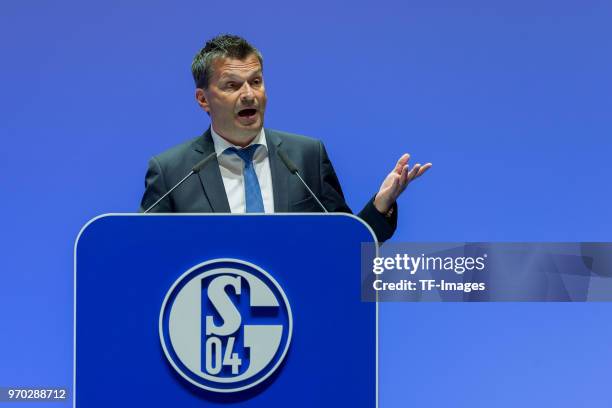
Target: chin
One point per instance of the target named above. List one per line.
(247, 132)
(256, 126)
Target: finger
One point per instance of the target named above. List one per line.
(401, 163)
(423, 169)
(413, 173)
(404, 176)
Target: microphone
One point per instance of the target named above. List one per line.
(293, 169)
(194, 170)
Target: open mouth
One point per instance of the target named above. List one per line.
(247, 113)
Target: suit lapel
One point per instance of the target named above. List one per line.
(210, 176)
(280, 174)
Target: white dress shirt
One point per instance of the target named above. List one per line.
(232, 169)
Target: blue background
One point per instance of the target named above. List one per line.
(511, 101)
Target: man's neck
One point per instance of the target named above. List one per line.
(241, 142)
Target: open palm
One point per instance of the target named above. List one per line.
(396, 182)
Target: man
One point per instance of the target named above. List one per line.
(248, 174)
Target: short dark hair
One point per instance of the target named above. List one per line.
(221, 46)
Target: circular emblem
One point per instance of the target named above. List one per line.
(225, 325)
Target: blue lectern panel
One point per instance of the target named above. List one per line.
(130, 267)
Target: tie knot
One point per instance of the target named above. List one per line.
(245, 154)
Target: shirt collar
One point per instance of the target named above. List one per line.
(221, 144)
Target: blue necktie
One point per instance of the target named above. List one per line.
(252, 191)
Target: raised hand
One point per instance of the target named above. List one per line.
(396, 182)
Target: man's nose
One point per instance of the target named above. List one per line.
(247, 94)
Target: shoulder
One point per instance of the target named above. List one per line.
(179, 159)
(179, 151)
(292, 140)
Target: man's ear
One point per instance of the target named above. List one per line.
(201, 99)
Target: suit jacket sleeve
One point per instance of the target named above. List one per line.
(155, 187)
(333, 199)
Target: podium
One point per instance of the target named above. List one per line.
(185, 310)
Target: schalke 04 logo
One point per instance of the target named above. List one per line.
(225, 325)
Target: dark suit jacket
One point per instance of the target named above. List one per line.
(205, 192)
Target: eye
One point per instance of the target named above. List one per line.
(257, 82)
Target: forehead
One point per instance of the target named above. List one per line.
(225, 67)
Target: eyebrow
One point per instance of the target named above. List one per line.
(230, 76)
